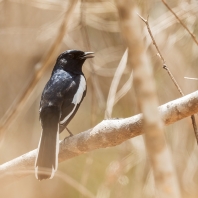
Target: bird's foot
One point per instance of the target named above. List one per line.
(70, 134)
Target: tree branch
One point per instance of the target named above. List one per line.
(144, 85)
(180, 21)
(168, 71)
(108, 133)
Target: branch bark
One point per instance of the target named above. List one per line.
(108, 133)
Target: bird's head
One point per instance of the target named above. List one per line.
(72, 60)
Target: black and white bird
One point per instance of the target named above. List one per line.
(60, 101)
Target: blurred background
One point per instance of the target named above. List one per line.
(28, 29)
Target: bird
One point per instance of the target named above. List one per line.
(60, 100)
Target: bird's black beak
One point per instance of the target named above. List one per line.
(87, 55)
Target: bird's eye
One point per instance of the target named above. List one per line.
(71, 56)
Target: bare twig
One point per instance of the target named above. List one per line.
(160, 55)
(167, 19)
(158, 151)
(45, 63)
(185, 27)
(169, 73)
(108, 133)
(153, 40)
(191, 78)
(173, 79)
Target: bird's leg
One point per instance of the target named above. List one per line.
(70, 133)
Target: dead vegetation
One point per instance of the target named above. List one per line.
(30, 29)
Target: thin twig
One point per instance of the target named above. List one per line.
(151, 35)
(185, 27)
(173, 79)
(169, 72)
(160, 55)
(191, 78)
(48, 59)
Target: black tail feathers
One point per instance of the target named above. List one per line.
(47, 158)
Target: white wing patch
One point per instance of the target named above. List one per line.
(77, 97)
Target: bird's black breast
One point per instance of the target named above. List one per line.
(66, 91)
(61, 87)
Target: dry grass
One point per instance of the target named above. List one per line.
(28, 29)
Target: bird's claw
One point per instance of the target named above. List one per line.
(70, 135)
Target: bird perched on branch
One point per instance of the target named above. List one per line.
(60, 101)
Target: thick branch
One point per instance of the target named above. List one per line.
(108, 133)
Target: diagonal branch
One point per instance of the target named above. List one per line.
(169, 72)
(47, 61)
(180, 21)
(160, 55)
(108, 133)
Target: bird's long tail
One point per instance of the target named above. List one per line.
(47, 158)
